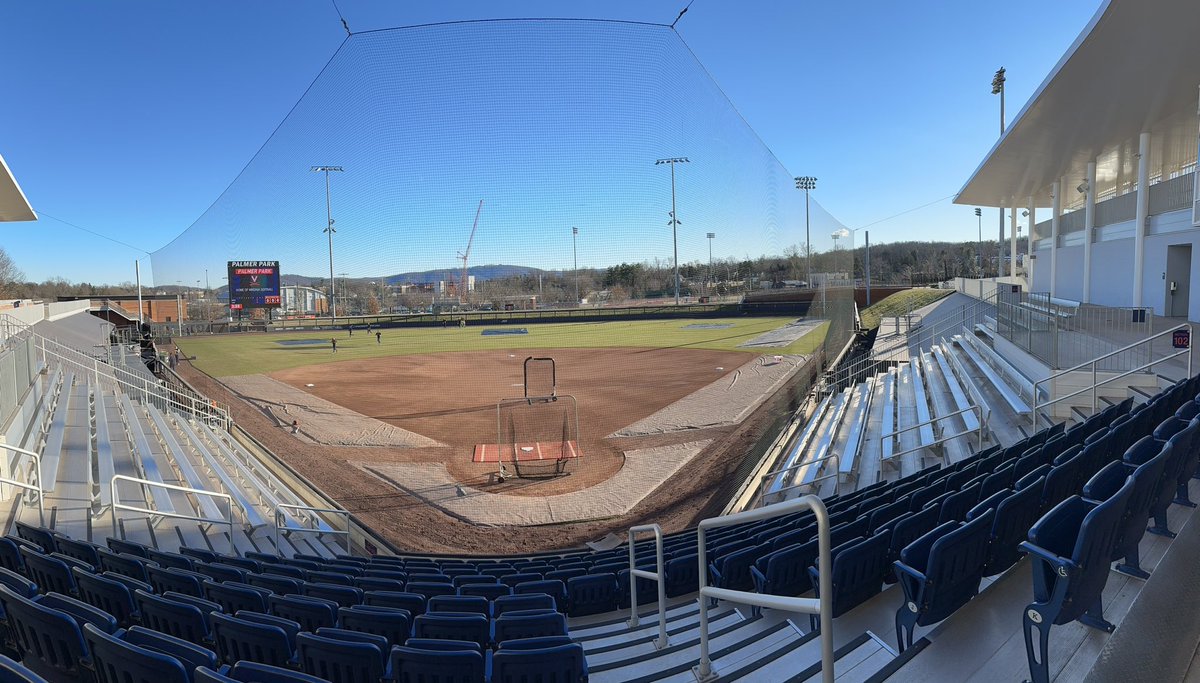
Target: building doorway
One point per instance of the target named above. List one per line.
(1178, 280)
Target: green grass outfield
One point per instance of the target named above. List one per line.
(251, 353)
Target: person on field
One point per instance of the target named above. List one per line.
(334, 342)
(378, 337)
(295, 426)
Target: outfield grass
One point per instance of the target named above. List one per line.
(253, 353)
(900, 303)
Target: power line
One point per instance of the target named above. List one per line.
(681, 13)
(906, 211)
(92, 232)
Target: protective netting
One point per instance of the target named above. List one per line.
(555, 125)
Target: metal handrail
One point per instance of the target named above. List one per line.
(1097, 359)
(1096, 383)
(118, 505)
(279, 507)
(966, 381)
(657, 576)
(837, 461)
(969, 409)
(821, 605)
(36, 485)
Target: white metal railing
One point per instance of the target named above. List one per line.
(279, 516)
(35, 483)
(821, 606)
(657, 576)
(969, 409)
(762, 494)
(1093, 363)
(118, 505)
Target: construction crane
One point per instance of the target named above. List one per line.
(464, 288)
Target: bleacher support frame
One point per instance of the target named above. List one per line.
(836, 471)
(36, 485)
(118, 505)
(657, 576)
(822, 606)
(976, 410)
(278, 515)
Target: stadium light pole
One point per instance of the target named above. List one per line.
(979, 245)
(674, 222)
(998, 89)
(710, 237)
(329, 231)
(807, 183)
(575, 256)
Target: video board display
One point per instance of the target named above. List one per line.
(253, 284)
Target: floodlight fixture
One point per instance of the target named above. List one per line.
(807, 183)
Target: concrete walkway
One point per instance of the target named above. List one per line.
(644, 471)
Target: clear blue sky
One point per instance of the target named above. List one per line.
(131, 119)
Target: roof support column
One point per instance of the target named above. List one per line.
(1012, 241)
(1055, 213)
(1089, 225)
(1143, 211)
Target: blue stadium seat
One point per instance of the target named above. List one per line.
(959, 503)
(15, 672)
(429, 589)
(518, 626)
(129, 565)
(49, 573)
(199, 554)
(232, 596)
(172, 617)
(81, 612)
(310, 613)
(1182, 438)
(249, 564)
(1036, 479)
(391, 623)
(344, 596)
(117, 661)
(38, 536)
(238, 639)
(251, 672)
(280, 585)
(491, 591)
(221, 572)
(458, 603)
(513, 580)
(19, 584)
(189, 654)
(1014, 514)
(464, 579)
(430, 577)
(286, 571)
(882, 515)
(375, 583)
(597, 593)
(559, 664)
(1070, 548)
(10, 555)
(177, 580)
(340, 661)
(940, 572)
(418, 665)
(470, 627)
(517, 603)
(167, 559)
(1063, 480)
(80, 550)
(331, 577)
(858, 567)
(556, 589)
(413, 603)
(50, 639)
(1136, 514)
(290, 628)
(394, 574)
(120, 545)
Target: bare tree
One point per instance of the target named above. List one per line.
(10, 274)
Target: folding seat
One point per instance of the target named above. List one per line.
(127, 565)
(177, 580)
(555, 589)
(413, 603)
(497, 571)
(1015, 512)
(18, 584)
(285, 570)
(1067, 454)
(731, 570)
(521, 577)
(785, 571)
(857, 574)
(922, 497)
(106, 594)
(522, 603)
(120, 545)
(342, 595)
(42, 538)
(239, 639)
(80, 550)
(264, 558)
(200, 554)
(233, 596)
(392, 574)
(1136, 514)
(373, 583)
(557, 664)
(249, 564)
(174, 560)
(50, 639)
(290, 628)
(597, 593)
(1035, 478)
(464, 579)
(411, 665)
(794, 537)
(281, 585)
(956, 505)
(425, 577)
(1070, 548)
(310, 613)
(189, 654)
(998, 480)
(393, 624)
(681, 574)
(309, 558)
(491, 591)
(10, 555)
(958, 480)
(451, 572)
(458, 603)
(1056, 446)
(454, 626)
(428, 589)
(1027, 463)
(81, 612)
(14, 672)
(883, 515)
(117, 661)
(1062, 481)
(1189, 469)
(340, 660)
(336, 578)
(940, 572)
(514, 627)
(252, 672)
(173, 617)
(1182, 438)
(49, 573)
(221, 572)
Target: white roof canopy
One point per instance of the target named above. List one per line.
(13, 204)
(1135, 68)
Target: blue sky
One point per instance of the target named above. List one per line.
(132, 119)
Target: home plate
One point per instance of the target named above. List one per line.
(310, 385)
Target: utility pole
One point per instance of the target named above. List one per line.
(674, 222)
(979, 245)
(807, 183)
(867, 260)
(710, 236)
(998, 89)
(575, 256)
(329, 231)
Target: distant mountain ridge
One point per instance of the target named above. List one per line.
(481, 273)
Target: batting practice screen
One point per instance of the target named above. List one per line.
(254, 284)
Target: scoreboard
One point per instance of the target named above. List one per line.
(253, 284)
